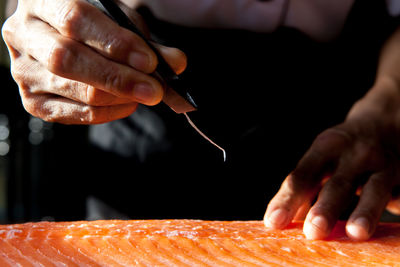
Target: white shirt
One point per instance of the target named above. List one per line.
(320, 19)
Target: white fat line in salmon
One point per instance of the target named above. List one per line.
(204, 136)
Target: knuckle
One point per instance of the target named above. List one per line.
(8, 34)
(53, 110)
(71, 16)
(39, 107)
(89, 115)
(61, 55)
(370, 156)
(288, 185)
(301, 179)
(58, 113)
(93, 96)
(21, 73)
(28, 106)
(17, 71)
(7, 30)
(95, 115)
(31, 105)
(339, 186)
(116, 44)
(334, 135)
(294, 184)
(97, 97)
(364, 157)
(114, 80)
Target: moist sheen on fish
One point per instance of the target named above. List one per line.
(189, 243)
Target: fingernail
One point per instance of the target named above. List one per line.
(317, 228)
(144, 93)
(277, 218)
(358, 229)
(138, 60)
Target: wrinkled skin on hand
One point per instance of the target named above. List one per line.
(74, 65)
(360, 155)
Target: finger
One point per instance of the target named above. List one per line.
(72, 60)
(394, 203)
(337, 192)
(393, 206)
(62, 110)
(302, 212)
(8, 31)
(174, 57)
(374, 197)
(38, 80)
(81, 21)
(287, 202)
(321, 218)
(304, 182)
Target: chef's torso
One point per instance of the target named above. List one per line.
(320, 19)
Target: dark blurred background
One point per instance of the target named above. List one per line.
(294, 88)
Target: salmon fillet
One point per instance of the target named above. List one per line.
(189, 243)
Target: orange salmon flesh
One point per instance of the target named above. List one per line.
(189, 243)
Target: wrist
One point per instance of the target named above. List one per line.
(387, 82)
(379, 112)
(384, 94)
(382, 100)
